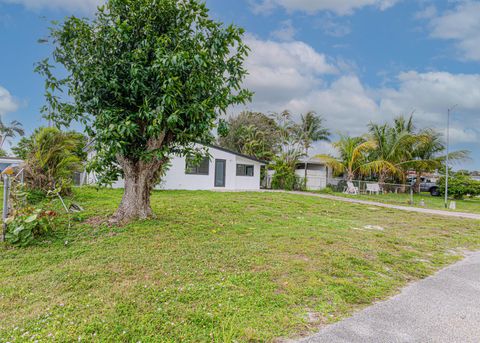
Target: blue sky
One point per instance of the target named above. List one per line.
(353, 61)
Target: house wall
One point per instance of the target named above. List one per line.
(247, 182)
(316, 176)
(177, 179)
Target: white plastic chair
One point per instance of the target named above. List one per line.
(351, 189)
(373, 188)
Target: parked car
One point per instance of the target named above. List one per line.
(426, 185)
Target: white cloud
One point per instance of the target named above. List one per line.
(85, 6)
(294, 76)
(431, 94)
(426, 13)
(462, 25)
(340, 7)
(284, 70)
(286, 32)
(7, 102)
(333, 28)
(345, 103)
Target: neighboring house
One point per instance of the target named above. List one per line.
(224, 169)
(9, 162)
(317, 173)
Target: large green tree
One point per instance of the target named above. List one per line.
(147, 78)
(252, 133)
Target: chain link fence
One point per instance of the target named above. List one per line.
(367, 187)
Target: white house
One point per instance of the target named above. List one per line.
(318, 173)
(224, 170)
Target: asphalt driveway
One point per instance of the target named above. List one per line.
(442, 308)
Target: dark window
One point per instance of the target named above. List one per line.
(197, 168)
(244, 170)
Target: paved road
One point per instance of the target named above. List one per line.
(441, 308)
(396, 207)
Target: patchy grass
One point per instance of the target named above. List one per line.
(218, 267)
(436, 203)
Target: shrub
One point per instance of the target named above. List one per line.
(27, 224)
(52, 160)
(285, 177)
(460, 186)
(27, 221)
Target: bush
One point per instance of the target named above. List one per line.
(35, 196)
(460, 186)
(285, 178)
(27, 221)
(52, 160)
(28, 224)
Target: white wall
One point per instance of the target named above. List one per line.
(177, 179)
(247, 182)
(316, 176)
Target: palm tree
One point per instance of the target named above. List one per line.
(311, 130)
(10, 131)
(402, 124)
(392, 145)
(353, 160)
(427, 154)
(53, 159)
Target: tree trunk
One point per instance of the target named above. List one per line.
(418, 181)
(381, 177)
(140, 178)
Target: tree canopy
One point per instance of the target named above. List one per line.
(147, 78)
(252, 133)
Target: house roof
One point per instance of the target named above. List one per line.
(89, 146)
(235, 153)
(313, 160)
(8, 158)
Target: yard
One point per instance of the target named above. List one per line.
(471, 205)
(218, 267)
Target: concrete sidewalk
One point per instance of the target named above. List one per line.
(442, 308)
(396, 207)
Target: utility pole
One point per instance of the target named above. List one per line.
(448, 153)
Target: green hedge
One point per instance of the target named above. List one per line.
(460, 186)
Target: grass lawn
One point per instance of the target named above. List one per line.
(436, 203)
(218, 267)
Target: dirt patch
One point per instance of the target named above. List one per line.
(97, 221)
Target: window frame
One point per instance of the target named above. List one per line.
(245, 168)
(196, 168)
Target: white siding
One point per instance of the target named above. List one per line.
(247, 182)
(316, 176)
(177, 179)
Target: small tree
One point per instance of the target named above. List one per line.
(52, 159)
(147, 78)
